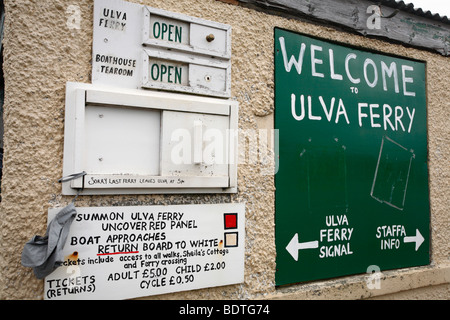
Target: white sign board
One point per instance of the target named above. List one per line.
(136, 47)
(129, 252)
(116, 58)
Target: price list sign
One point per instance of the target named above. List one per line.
(129, 252)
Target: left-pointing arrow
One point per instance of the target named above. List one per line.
(294, 246)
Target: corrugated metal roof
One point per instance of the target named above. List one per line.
(409, 7)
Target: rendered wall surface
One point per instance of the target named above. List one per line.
(41, 53)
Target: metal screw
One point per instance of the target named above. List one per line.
(210, 37)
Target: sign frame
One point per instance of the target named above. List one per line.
(190, 48)
(79, 95)
(204, 80)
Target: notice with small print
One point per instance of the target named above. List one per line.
(130, 252)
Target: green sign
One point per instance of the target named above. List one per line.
(352, 182)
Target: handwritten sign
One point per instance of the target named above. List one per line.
(352, 184)
(128, 252)
(136, 181)
(116, 52)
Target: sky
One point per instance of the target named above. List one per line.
(435, 6)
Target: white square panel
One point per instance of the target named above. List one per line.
(196, 144)
(122, 140)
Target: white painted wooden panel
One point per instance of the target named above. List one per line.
(178, 26)
(121, 140)
(128, 39)
(200, 34)
(131, 142)
(125, 181)
(208, 77)
(180, 140)
(116, 43)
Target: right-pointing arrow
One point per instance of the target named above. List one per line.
(294, 246)
(418, 239)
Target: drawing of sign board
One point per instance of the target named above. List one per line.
(392, 173)
(329, 162)
(129, 252)
(133, 141)
(137, 47)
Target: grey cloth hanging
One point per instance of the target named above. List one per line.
(44, 253)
